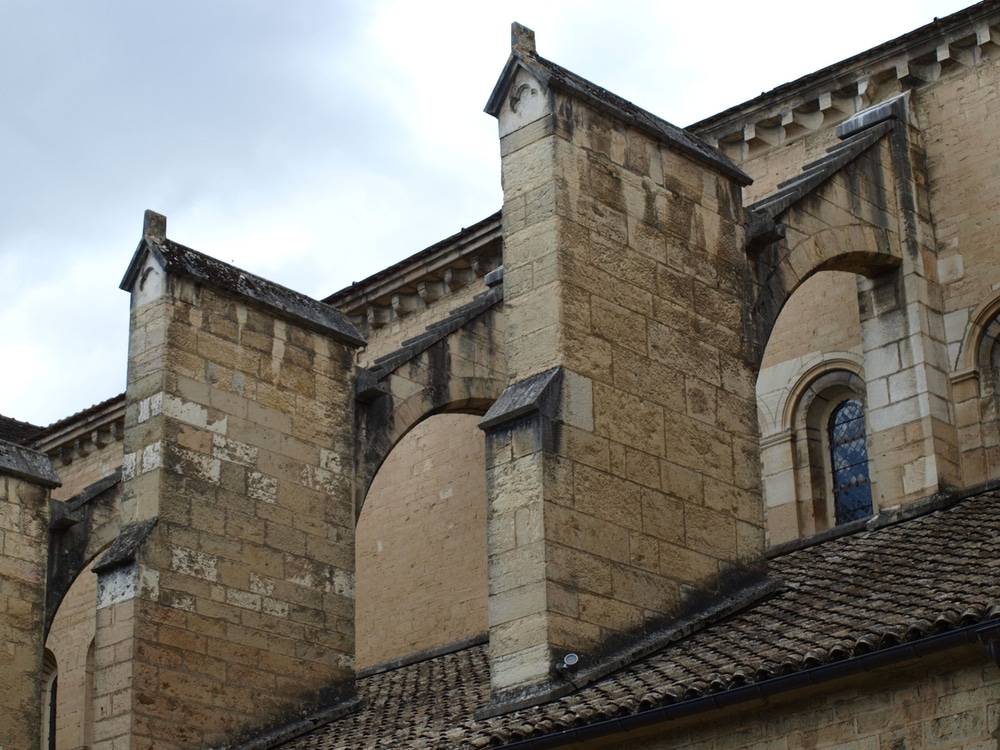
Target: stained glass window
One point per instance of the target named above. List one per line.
(852, 493)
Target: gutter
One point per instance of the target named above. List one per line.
(986, 633)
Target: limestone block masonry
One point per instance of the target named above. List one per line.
(26, 477)
(624, 485)
(230, 603)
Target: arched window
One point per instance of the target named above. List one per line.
(815, 470)
(851, 486)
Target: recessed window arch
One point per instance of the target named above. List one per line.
(833, 483)
(975, 388)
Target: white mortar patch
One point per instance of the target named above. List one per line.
(117, 585)
(274, 607)
(151, 457)
(234, 451)
(321, 480)
(262, 487)
(184, 411)
(342, 583)
(199, 465)
(329, 460)
(261, 585)
(194, 563)
(128, 467)
(243, 599)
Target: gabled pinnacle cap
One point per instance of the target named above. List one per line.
(523, 54)
(178, 259)
(154, 225)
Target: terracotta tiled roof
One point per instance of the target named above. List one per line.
(859, 594)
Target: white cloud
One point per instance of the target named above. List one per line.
(312, 143)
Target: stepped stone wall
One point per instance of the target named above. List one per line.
(26, 477)
(228, 601)
(622, 464)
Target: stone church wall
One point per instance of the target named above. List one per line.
(955, 159)
(84, 471)
(421, 544)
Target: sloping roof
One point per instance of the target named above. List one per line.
(17, 431)
(180, 259)
(847, 599)
(81, 416)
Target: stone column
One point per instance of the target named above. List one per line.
(26, 477)
(623, 477)
(228, 602)
(912, 435)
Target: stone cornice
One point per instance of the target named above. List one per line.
(422, 278)
(83, 433)
(829, 96)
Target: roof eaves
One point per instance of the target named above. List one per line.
(977, 633)
(840, 73)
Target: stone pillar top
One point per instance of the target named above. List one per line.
(154, 225)
(522, 39)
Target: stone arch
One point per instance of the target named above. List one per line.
(392, 418)
(838, 369)
(781, 269)
(83, 529)
(421, 544)
(71, 638)
(457, 364)
(810, 418)
(49, 683)
(975, 389)
(980, 344)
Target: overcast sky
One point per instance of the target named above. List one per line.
(311, 142)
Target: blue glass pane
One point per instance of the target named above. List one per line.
(852, 496)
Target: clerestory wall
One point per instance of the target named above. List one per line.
(953, 141)
(421, 544)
